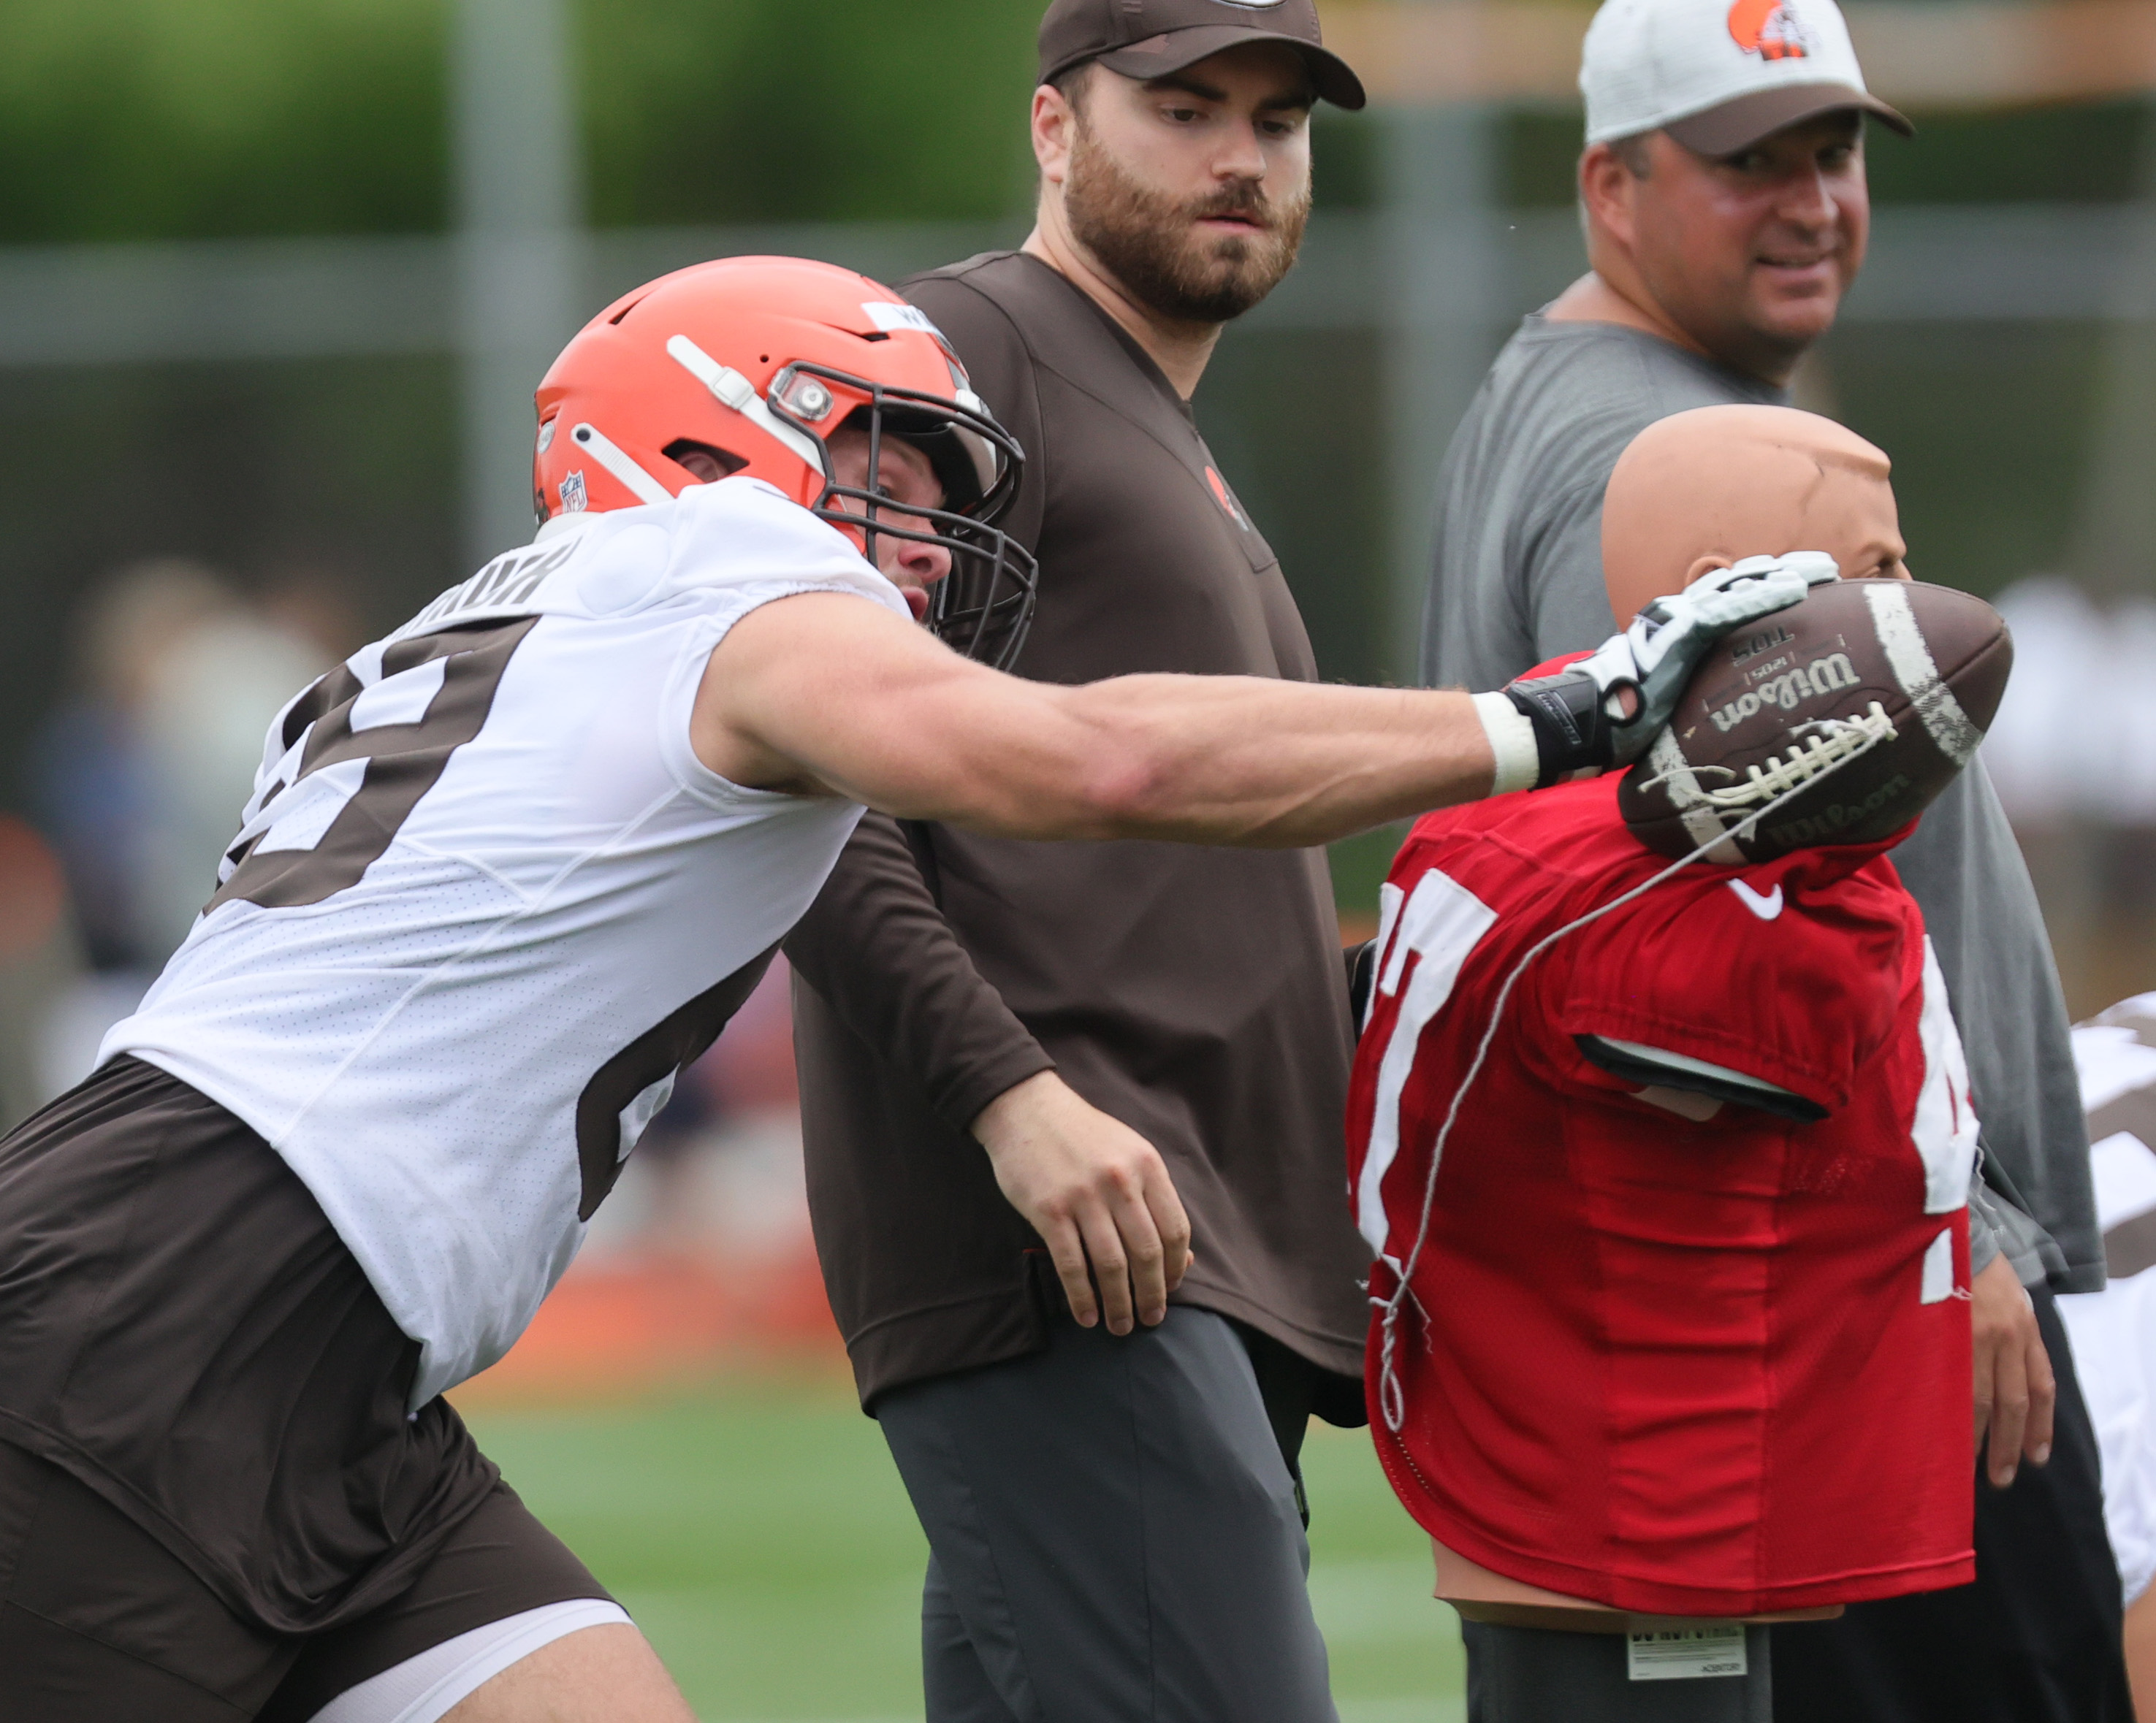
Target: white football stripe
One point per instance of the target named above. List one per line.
(401, 699)
(1894, 620)
(1666, 760)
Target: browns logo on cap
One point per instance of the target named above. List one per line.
(1152, 39)
(1719, 76)
(1768, 28)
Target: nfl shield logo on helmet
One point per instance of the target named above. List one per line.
(573, 494)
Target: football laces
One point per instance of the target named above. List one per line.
(1834, 741)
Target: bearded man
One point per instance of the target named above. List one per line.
(1032, 1073)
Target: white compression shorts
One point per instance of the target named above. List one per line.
(427, 1687)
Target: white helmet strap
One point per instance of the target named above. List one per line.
(736, 392)
(618, 461)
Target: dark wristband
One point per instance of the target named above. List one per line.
(1572, 734)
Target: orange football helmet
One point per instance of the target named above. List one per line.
(755, 361)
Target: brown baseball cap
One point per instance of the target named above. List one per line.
(1151, 38)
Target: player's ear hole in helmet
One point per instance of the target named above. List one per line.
(708, 463)
(749, 366)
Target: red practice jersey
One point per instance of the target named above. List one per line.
(1718, 1368)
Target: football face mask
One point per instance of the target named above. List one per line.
(984, 607)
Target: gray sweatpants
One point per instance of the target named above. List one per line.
(1113, 1536)
(1532, 1675)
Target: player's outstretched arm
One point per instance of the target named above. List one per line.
(822, 690)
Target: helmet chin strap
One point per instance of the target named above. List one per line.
(618, 461)
(737, 392)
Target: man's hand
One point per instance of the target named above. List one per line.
(1606, 710)
(2015, 1387)
(1097, 1193)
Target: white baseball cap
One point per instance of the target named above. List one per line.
(1718, 76)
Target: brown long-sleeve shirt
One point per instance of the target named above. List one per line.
(1196, 994)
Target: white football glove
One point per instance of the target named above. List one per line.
(1606, 710)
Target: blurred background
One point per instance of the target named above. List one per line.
(277, 278)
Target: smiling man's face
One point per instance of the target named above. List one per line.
(1751, 254)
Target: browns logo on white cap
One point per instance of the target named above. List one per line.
(1718, 75)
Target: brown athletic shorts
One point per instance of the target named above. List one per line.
(206, 1468)
(99, 1624)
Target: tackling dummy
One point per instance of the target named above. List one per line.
(1665, 1163)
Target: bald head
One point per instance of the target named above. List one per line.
(1704, 490)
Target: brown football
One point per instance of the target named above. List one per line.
(1896, 680)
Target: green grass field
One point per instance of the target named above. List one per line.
(759, 1534)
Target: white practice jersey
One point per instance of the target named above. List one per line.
(486, 902)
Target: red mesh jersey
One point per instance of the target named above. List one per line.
(1692, 1369)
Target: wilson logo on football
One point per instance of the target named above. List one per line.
(1770, 29)
(1822, 675)
(1832, 821)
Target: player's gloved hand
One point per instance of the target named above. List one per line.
(1607, 709)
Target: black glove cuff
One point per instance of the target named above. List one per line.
(1572, 734)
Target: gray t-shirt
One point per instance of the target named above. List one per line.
(1519, 579)
(1519, 554)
